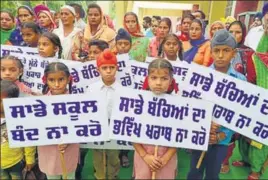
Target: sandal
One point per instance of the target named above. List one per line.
(225, 169)
(253, 176)
(124, 162)
(240, 164)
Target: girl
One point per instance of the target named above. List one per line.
(12, 70)
(12, 158)
(46, 21)
(57, 80)
(49, 44)
(164, 29)
(198, 48)
(67, 30)
(25, 14)
(159, 81)
(30, 34)
(171, 48)
(96, 29)
(244, 53)
(140, 43)
(7, 25)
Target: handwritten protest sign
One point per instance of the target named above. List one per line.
(45, 120)
(140, 71)
(83, 74)
(240, 106)
(113, 144)
(17, 50)
(166, 120)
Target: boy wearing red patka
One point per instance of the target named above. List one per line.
(107, 67)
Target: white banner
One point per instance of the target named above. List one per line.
(166, 120)
(61, 119)
(83, 74)
(240, 106)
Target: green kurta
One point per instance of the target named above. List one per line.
(5, 35)
(139, 49)
(256, 153)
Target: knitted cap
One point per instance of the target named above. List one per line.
(223, 37)
(106, 57)
(123, 34)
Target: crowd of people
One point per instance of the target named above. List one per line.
(223, 45)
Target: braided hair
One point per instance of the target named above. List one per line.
(161, 48)
(55, 40)
(55, 67)
(18, 62)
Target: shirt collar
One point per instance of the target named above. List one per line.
(231, 71)
(112, 86)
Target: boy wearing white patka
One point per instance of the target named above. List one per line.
(107, 67)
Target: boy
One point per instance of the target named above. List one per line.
(223, 50)
(123, 45)
(12, 159)
(107, 67)
(95, 47)
(123, 41)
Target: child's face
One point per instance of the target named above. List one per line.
(44, 20)
(93, 52)
(222, 55)
(171, 47)
(108, 72)
(159, 80)
(57, 82)
(29, 36)
(3, 96)
(10, 70)
(46, 48)
(123, 46)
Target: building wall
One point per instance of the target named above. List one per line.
(244, 6)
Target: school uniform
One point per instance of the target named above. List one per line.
(112, 160)
(216, 153)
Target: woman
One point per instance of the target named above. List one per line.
(96, 29)
(164, 29)
(238, 29)
(217, 25)
(67, 30)
(46, 21)
(198, 48)
(140, 43)
(25, 14)
(185, 25)
(7, 25)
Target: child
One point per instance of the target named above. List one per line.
(107, 67)
(95, 47)
(12, 70)
(49, 44)
(30, 33)
(223, 47)
(56, 79)
(123, 41)
(123, 45)
(159, 81)
(171, 48)
(12, 159)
